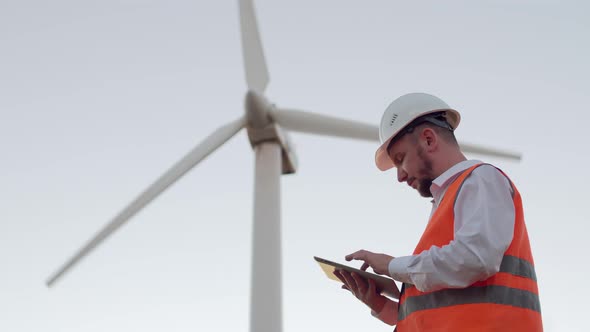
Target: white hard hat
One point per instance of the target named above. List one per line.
(402, 112)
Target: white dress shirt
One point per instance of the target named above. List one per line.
(484, 226)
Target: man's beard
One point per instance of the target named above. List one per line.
(425, 172)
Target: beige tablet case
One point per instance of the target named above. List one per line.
(385, 285)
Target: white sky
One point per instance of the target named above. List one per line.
(98, 98)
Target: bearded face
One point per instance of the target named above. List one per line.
(425, 176)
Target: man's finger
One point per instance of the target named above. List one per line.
(361, 285)
(355, 255)
(372, 287)
(365, 266)
(339, 276)
(349, 282)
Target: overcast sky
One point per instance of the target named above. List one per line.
(98, 98)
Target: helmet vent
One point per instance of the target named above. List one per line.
(392, 121)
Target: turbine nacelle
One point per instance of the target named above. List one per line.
(261, 128)
(257, 110)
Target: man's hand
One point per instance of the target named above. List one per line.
(363, 290)
(378, 262)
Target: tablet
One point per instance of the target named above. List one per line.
(385, 286)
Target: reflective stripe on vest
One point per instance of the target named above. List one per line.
(478, 294)
(484, 294)
(518, 267)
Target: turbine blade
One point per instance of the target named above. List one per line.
(200, 152)
(313, 123)
(257, 76)
(482, 150)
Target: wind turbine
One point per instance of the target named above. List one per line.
(266, 125)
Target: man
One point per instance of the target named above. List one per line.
(472, 269)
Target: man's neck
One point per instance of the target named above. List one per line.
(451, 160)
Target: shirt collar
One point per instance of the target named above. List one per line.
(440, 184)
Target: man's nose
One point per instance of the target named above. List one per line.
(401, 175)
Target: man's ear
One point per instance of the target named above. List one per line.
(430, 139)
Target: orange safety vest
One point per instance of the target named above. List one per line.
(506, 301)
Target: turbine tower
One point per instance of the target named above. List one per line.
(266, 125)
